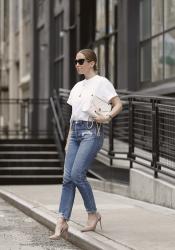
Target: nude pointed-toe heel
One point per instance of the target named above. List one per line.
(94, 224)
(60, 230)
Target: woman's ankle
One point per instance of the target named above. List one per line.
(92, 215)
(61, 220)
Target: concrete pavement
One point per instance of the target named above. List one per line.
(127, 223)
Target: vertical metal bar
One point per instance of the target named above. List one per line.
(155, 144)
(111, 142)
(130, 135)
(28, 116)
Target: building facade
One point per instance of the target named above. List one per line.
(134, 42)
(15, 53)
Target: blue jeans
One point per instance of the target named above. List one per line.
(85, 142)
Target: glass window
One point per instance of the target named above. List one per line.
(112, 15)
(161, 16)
(169, 13)
(58, 50)
(100, 19)
(169, 54)
(145, 62)
(26, 9)
(145, 20)
(6, 20)
(157, 16)
(111, 64)
(157, 54)
(40, 7)
(106, 37)
(101, 60)
(16, 16)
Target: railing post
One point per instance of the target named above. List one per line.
(130, 132)
(111, 142)
(155, 139)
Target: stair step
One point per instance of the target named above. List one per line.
(30, 152)
(31, 168)
(26, 141)
(28, 155)
(30, 172)
(29, 161)
(27, 147)
(30, 176)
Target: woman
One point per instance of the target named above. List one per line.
(85, 139)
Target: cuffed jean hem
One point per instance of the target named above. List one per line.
(61, 215)
(92, 212)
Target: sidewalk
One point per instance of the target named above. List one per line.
(127, 223)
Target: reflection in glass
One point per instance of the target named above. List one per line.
(145, 59)
(169, 13)
(112, 15)
(169, 54)
(145, 19)
(101, 60)
(157, 53)
(157, 16)
(111, 58)
(100, 19)
(95, 49)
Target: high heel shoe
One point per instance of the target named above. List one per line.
(60, 230)
(93, 225)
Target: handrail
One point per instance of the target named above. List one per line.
(59, 112)
(58, 122)
(56, 119)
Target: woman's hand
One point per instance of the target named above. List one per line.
(102, 118)
(67, 142)
(65, 149)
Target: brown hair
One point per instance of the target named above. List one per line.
(90, 56)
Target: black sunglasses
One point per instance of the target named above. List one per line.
(80, 61)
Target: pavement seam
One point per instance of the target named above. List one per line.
(41, 214)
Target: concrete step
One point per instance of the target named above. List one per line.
(26, 168)
(30, 179)
(28, 154)
(27, 141)
(30, 171)
(29, 162)
(27, 147)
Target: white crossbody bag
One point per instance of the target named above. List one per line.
(98, 106)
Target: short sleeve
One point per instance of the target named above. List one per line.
(71, 95)
(106, 91)
(69, 101)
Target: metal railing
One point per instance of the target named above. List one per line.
(143, 133)
(152, 133)
(60, 131)
(25, 118)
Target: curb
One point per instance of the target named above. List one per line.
(88, 241)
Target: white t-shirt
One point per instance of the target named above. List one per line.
(81, 95)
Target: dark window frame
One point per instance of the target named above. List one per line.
(149, 40)
(58, 51)
(105, 40)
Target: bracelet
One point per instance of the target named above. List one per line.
(110, 117)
